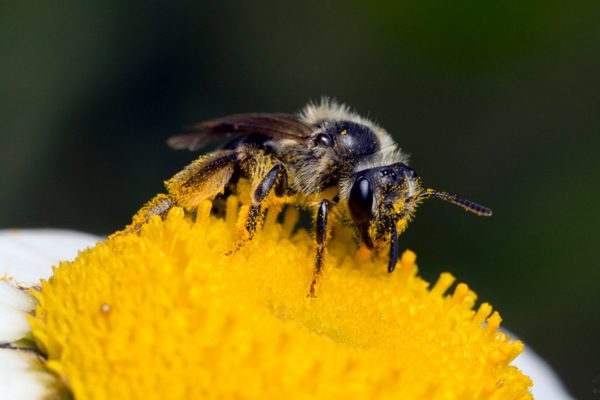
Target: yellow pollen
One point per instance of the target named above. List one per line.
(344, 132)
(166, 314)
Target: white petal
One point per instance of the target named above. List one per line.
(546, 384)
(28, 255)
(22, 378)
(14, 306)
(13, 324)
(16, 298)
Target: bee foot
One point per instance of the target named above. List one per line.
(236, 248)
(312, 293)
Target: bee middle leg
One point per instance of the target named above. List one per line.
(275, 179)
(321, 237)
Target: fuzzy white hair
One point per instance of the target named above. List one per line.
(330, 110)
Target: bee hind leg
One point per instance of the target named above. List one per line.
(321, 237)
(275, 179)
(159, 205)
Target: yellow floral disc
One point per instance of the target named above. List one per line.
(166, 314)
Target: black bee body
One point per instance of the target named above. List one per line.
(329, 158)
(334, 151)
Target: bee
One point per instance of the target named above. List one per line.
(326, 158)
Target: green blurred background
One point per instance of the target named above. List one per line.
(496, 101)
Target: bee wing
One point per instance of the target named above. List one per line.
(276, 126)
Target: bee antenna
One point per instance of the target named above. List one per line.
(468, 205)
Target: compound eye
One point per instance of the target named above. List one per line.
(361, 200)
(324, 140)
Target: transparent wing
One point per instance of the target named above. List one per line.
(276, 126)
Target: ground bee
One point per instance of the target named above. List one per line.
(326, 158)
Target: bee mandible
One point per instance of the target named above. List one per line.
(326, 157)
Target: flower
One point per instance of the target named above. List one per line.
(25, 258)
(166, 314)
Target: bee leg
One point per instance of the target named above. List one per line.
(254, 222)
(282, 184)
(276, 178)
(393, 249)
(321, 237)
(277, 174)
(159, 205)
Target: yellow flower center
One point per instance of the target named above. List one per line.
(166, 314)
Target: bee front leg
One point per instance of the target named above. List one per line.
(321, 237)
(275, 179)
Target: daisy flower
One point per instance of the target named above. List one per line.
(167, 314)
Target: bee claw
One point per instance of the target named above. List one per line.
(236, 248)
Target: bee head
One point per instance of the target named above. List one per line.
(381, 197)
(382, 200)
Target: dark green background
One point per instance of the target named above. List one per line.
(497, 101)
